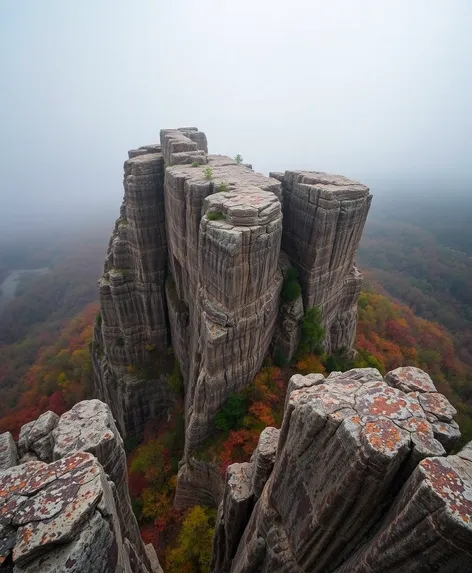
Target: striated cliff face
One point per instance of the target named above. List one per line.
(198, 259)
(360, 482)
(72, 514)
(324, 216)
(132, 331)
(226, 281)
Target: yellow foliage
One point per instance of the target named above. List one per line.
(193, 551)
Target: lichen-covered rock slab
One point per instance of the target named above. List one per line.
(429, 527)
(59, 518)
(89, 427)
(348, 443)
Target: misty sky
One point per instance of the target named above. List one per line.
(372, 89)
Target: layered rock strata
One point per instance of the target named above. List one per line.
(429, 527)
(72, 514)
(131, 335)
(350, 448)
(324, 216)
(199, 483)
(196, 258)
(224, 237)
(8, 451)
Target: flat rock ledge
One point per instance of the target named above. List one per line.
(360, 482)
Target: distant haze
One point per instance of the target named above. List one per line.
(378, 90)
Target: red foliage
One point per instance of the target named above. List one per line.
(57, 403)
(58, 378)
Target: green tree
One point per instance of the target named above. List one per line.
(313, 332)
(194, 543)
(231, 414)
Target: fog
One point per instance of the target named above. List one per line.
(376, 90)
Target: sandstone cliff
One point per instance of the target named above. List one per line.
(197, 261)
(360, 482)
(72, 514)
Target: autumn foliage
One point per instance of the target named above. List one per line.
(395, 336)
(60, 376)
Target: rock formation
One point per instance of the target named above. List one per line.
(132, 327)
(324, 216)
(209, 232)
(359, 483)
(73, 514)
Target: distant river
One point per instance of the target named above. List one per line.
(8, 286)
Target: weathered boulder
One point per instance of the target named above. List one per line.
(74, 514)
(89, 427)
(429, 527)
(439, 411)
(36, 437)
(348, 444)
(60, 518)
(8, 451)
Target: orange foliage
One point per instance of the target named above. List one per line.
(311, 363)
(60, 376)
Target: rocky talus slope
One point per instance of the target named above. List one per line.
(64, 501)
(358, 480)
(197, 261)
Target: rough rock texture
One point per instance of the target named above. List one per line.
(89, 427)
(75, 513)
(36, 439)
(233, 514)
(263, 459)
(429, 527)
(224, 295)
(131, 336)
(61, 518)
(196, 258)
(200, 483)
(244, 484)
(324, 216)
(348, 444)
(287, 334)
(438, 410)
(8, 451)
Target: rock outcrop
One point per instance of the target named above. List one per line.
(197, 258)
(224, 297)
(324, 216)
(73, 514)
(359, 483)
(8, 451)
(131, 335)
(36, 440)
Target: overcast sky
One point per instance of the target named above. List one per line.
(372, 89)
